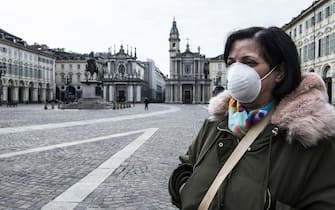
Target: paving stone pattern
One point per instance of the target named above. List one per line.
(32, 180)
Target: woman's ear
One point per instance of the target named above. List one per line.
(280, 73)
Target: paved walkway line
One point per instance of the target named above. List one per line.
(85, 122)
(69, 199)
(67, 144)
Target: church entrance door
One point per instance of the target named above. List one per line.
(187, 94)
(187, 97)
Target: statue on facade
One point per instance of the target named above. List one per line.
(91, 68)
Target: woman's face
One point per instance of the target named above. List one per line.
(247, 51)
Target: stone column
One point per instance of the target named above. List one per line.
(111, 93)
(15, 94)
(44, 95)
(193, 97)
(180, 93)
(35, 95)
(138, 93)
(204, 88)
(4, 97)
(25, 94)
(171, 93)
(130, 93)
(105, 97)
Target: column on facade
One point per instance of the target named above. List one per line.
(130, 93)
(175, 69)
(174, 93)
(194, 68)
(200, 89)
(166, 93)
(138, 93)
(44, 95)
(4, 96)
(200, 92)
(180, 93)
(203, 87)
(171, 91)
(50, 94)
(111, 93)
(25, 94)
(35, 95)
(15, 94)
(105, 97)
(109, 68)
(194, 95)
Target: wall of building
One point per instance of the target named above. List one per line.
(313, 32)
(29, 74)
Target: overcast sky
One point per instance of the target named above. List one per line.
(83, 26)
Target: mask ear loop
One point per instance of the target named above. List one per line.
(266, 75)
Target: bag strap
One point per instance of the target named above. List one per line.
(233, 159)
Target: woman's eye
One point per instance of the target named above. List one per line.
(250, 63)
(230, 63)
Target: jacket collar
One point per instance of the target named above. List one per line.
(305, 113)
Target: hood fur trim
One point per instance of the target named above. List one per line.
(305, 113)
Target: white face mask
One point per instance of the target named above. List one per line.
(244, 83)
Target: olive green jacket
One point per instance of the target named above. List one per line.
(291, 165)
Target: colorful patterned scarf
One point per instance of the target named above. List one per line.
(240, 121)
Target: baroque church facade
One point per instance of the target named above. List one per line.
(189, 81)
(125, 78)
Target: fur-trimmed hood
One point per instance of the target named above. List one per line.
(305, 113)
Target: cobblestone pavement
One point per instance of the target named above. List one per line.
(49, 166)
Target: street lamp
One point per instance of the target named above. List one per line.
(2, 73)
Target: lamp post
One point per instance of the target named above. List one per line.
(2, 73)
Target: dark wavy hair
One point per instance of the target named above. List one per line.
(277, 48)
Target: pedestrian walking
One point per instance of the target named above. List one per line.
(146, 102)
(269, 140)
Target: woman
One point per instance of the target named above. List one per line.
(291, 164)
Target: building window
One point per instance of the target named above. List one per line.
(299, 52)
(294, 32)
(62, 77)
(313, 21)
(300, 28)
(78, 66)
(62, 66)
(319, 17)
(327, 12)
(327, 46)
(70, 65)
(332, 43)
(320, 48)
(188, 69)
(311, 51)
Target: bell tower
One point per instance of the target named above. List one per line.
(174, 39)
